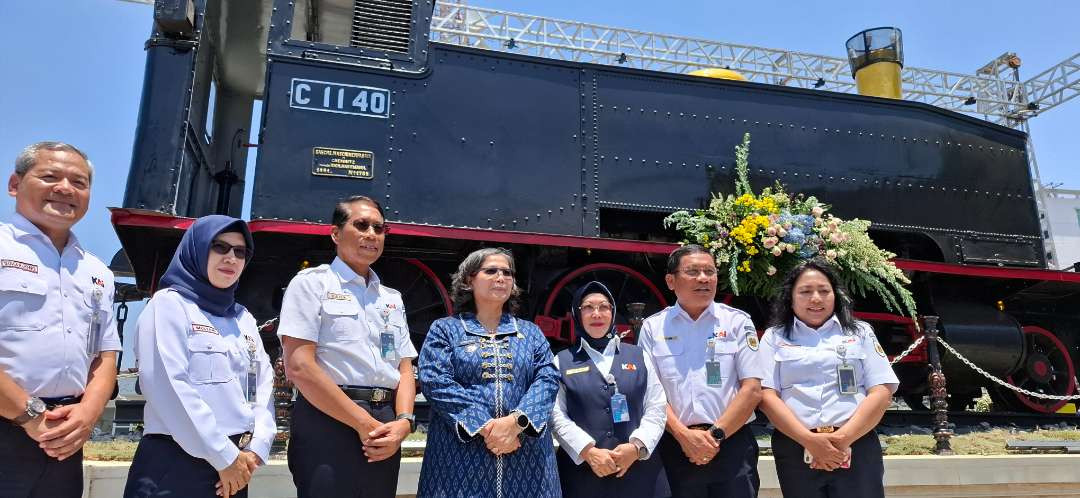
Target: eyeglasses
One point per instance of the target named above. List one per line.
(491, 272)
(240, 252)
(378, 228)
(588, 309)
(695, 272)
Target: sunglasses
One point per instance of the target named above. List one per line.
(491, 272)
(240, 252)
(378, 228)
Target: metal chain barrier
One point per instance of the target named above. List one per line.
(986, 374)
(908, 351)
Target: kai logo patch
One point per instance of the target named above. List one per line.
(630, 367)
(720, 333)
(337, 296)
(18, 265)
(98, 282)
(204, 329)
(751, 341)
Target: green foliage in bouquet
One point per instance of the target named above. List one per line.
(757, 238)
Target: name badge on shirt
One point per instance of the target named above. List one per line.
(714, 375)
(578, 370)
(845, 379)
(620, 412)
(93, 338)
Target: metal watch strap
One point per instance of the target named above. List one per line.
(642, 451)
(410, 417)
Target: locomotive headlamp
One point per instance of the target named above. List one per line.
(1001, 305)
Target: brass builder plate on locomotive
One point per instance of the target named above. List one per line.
(344, 163)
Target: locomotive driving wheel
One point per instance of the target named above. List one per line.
(1047, 369)
(425, 296)
(626, 285)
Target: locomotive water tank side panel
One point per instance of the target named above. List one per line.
(667, 142)
(478, 141)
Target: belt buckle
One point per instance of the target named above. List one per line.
(245, 440)
(828, 429)
(378, 395)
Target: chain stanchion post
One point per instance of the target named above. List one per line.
(939, 403)
(283, 400)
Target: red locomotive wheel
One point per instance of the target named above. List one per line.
(1047, 369)
(626, 284)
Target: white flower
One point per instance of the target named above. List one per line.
(771, 270)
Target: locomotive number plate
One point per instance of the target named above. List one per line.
(344, 163)
(339, 98)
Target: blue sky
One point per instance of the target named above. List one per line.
(72, 70)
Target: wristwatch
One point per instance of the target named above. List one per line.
(522, 421)
(410, 417)
(642, 451)
(717, 433)
(34, 408)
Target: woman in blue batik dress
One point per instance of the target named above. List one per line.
(491, 382)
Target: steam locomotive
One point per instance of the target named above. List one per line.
(573, 166)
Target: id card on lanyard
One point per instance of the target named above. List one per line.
(845, 373)
(252, 385)
(93, 336)
(620, 411)
(387, 342)
(714, 375)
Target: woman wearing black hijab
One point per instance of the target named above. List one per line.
(611, 409)
(207, 380)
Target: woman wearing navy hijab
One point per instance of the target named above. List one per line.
(207, 380)
(611, 409)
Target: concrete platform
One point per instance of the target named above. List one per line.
(905, 476)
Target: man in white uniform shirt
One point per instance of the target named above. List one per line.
(348, 351)
(705, 354)
(58, 339)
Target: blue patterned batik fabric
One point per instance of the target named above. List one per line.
(470, 377)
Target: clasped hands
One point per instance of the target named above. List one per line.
(607, 462)
(501, 435)
(382, 440)
(62, 431)
(829, 451)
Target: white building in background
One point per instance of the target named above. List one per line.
(1063, 212)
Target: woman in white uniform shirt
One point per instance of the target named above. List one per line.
(829, 386)
(207, 380)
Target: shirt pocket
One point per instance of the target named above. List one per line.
(666, 353)
(22, 297)
(792, 365)
(209, 363)
(343, 317)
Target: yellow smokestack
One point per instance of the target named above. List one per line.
(876, 56)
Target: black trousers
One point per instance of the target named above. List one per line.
(327, 459)
(27, 472)
(864, 479)
(161, 468)
(731, 474)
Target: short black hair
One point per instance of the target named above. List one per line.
(783, 315)
(676, 256)
(341, 209)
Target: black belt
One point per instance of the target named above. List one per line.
(700, 427)
(241, 440)
(52, 403)
(369, 394)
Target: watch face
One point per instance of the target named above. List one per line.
(37, 405)
(717, 433)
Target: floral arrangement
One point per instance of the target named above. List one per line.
(753, 237)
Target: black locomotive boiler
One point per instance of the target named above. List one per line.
(573, 166)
